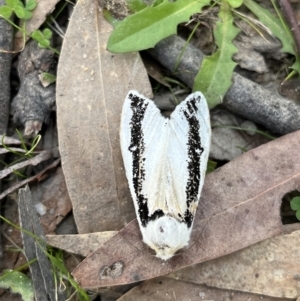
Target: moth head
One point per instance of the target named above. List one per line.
(166, 236)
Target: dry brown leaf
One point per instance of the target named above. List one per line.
(165, 289)
(239, 206)
(270, 267)
(40, 13)
(82, 244)
(91, 87)
(155, 71)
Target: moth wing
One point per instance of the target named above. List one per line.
(187, 154)
(144, 139)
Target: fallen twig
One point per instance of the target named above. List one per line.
(290, 18)
(245, 97)
(33, 178)
(43, 156)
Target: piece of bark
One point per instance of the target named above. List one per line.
(239, 206)
(6, 41)
(245, 98)
(270, 268)
(41, 272)
(33, 103)
(6, 38)
(89, 100)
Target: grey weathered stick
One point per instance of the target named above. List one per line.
(41, 271)
(28, 180)
(245, 98)
(6, 39)
(6, 42)
(43, 156)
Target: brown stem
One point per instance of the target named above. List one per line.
(291, 20)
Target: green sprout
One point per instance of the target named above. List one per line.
(295, 205)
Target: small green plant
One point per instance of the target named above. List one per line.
(145, 28)
(18, 283)
(295, 205)
(214, 77)
(278, 28)
(150, 24)
(27, 152)
(42, 37)
(48, 78)
(60, 272)
(16, 6)
(24, 12)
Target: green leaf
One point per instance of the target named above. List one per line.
(12, 3)
(211, 166)
(158, 2)
(30, 4)
(27, 15)
(146, 28)
(19, 4)
(20, 12)
(5, 11)
(274, 24)
(47, 33)
(50, 78)
(44, 43)
(235, 3)
(296, 65)
(295, 203)
(37, 35)
(214, 77)
(18, 283)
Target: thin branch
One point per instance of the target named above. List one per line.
(290, 18)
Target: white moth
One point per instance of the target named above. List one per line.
(165, 161)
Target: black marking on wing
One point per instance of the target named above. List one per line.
(137, 148)
(194, 158)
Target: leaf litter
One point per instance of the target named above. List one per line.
(163, 289)
(200, 235)
(239, 206)
(254, 269)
